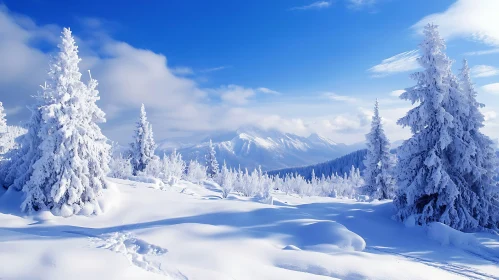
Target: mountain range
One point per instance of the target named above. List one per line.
(250, 147)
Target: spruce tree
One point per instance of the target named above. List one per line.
(143, 145)
(211, 161)
(427, 192)
(379, 182)
(70, 174)
(474, 161)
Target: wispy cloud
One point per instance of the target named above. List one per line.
(183, 71)
(484, 52)
(403, 62)
(491, 88)
(480, 71)
(314, 6)
(214, 69)
(239, 95)
(472, 19)
(356, 4)
(267, 90)
(342, 98)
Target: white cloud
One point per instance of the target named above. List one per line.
(489, 115)
(403, 62)
(314, 6)
(491, 51)
(491, 88)
(480, 71)
(472, 19)
(397, 93)
(336, 97)
(235, 94)
(267, 91)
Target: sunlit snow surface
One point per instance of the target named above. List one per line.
(188, 232)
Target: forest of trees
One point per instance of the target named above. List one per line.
(445, 172)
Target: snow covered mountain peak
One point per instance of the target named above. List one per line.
(250, 147)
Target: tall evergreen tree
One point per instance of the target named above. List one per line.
(379, 182)
(474, 161)
(143, 145)
(427, 192)
(70, 174)
(211, 161)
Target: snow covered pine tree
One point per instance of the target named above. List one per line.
(431, 185)
(17, 171)
(379, 182)
(211, 161)
(475, 162)
(143, 146)
(70, 173)
(3, 130)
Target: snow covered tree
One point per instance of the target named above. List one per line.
(211, 161)
(143, 146)
(70, 173)
(429, 185)
(3, 121)
(17, 171)
(473, 159)
(3, 130)
(379, 183)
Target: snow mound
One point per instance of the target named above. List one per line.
(446, 235)
(327, 235)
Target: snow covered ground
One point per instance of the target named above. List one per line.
(188, 232)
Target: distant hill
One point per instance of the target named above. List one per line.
(339, 165)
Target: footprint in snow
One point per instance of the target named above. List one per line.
(140, 253)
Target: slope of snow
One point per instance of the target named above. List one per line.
(188, 232)
(250, 147)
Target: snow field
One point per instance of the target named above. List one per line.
(188, 232)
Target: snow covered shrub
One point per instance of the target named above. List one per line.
(196, 172)
(227, 180)
(120, 167)
(173, 168)
(269, 184)
(153, 169)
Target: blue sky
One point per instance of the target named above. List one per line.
(200, 66)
